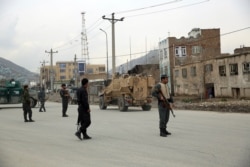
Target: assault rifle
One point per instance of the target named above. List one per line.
(166, 104)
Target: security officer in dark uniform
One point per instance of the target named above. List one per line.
(26, 104)
(161, 92)
(65, 100)
(83, 110)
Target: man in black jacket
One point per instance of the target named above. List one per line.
(83, 110)
(65, 100)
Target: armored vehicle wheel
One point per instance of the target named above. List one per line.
(33, 102)
(102, 105)
(121, 104)
(146, 107)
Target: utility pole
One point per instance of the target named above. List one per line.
(113, 21)
(51, 68)
(75, 72)
(43, 80)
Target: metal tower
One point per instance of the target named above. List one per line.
(85, 52)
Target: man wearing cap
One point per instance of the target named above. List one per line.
(26, 104)
(65, 100)
(161, 92)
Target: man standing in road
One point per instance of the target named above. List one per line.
(162, 93)
(65, 100)
(41, 98)
(83, 110)
(26, 104)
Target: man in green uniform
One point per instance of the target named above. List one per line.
(26, 105)
(41, 98)
(162, 93)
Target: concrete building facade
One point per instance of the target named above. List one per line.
(222, 76)
(200, 45)
(67, 72)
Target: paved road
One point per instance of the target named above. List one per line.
(124, 139)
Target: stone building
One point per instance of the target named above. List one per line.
(201, 44)
(221, 76)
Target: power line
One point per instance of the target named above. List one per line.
(98, 22)
(165, 10)
(242, 29)
(153, 6)
(68, 42)
(95, 25)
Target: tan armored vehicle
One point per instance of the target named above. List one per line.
(128, 90)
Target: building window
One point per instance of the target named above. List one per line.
(184, 73)
(161, 55)
(165, 53)
(183, 51)
(222, 70)
(62, 65)
(246, 68)
(176, 73)
(62, 70)
(208, 67)
(233, 69)
(62, 77)
(193, 71)
(196, 49)
(90, 70)
(180, 51)
(101, 69)
(166, 70)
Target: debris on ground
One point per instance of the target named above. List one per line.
(194, 103)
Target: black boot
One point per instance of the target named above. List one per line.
(167, 132)
(78, 133)
(162, 132)
(85, 135)
(25, 119)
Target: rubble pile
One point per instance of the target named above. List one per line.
(240, 106)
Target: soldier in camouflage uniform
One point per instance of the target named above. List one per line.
(41, 98)
(163, 110)
(26, 105)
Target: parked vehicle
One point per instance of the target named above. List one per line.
(11, 93)
(128, 90)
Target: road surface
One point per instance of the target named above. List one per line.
(123, 139)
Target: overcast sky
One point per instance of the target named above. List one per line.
(29, 27)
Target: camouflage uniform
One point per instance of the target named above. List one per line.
(26, 105)
(41, 97)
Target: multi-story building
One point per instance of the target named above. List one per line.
(67, 72)
(221, 76)
(201, 44)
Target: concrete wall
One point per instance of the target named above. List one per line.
(237, 86)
